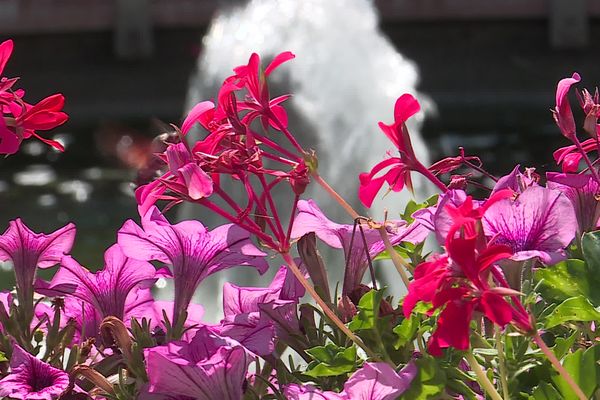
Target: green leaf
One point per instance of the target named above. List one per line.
(406, 331)
(566, 279)
(573, 309)
(331, 360)
(368, 311)
(585, 371)
(429, 382)
(546, 391)
(3, 357)
(590, 245)
(562, 346)
(413, 206)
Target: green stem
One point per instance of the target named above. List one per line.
(326, 309)
(558, 366)
(482, 377)
(501, 362)
(398, 261)
(335, 195)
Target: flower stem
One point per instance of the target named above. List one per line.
(326, 309)
(398, 261)
(482, 377)
(335, 195)
(501, 362)
(558, 366)
(420, 168)
(586, 159)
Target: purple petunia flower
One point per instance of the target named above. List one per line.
(311, 219)
(374, 381)
(117, 290)
(209, 367)
(29, 250)
(32, 379)
(254, 316)
(582, 191)
(516, 180)
(540, 222)
(379, 381)
(293, 391)
(192, 251)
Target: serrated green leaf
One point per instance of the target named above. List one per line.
(331, 360)
(574, 309)
(585, 371)
(368, 311)
(429, 382)
(406, 331)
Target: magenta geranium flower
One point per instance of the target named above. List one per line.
(184, 178)
(311, 219)
(32, 379)
(29, 250)
(192, 251)
(582, 191)
(540, 222)
(562, 112)
(458, 284)
(108, 292)
(21, 120)
(398, 168)
(209, 367)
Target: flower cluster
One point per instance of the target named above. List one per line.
(517, 264)
(20, 120)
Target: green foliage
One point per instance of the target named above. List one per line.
(585, 371)
(574, 309)
(429, 382)
(413, 206)
(331, 360)
(3, 357)
(545, 391)
(406, 331)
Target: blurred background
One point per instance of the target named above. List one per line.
(127, 67)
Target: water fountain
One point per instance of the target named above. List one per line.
(345, 78)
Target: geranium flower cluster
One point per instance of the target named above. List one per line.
(505, 308)
(20, 120)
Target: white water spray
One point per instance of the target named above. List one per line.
(345, 78)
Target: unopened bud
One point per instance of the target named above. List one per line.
(114, 333)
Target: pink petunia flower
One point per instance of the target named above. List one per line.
(32, 379)
(209, 367)
(112, 291)
(191, 251)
